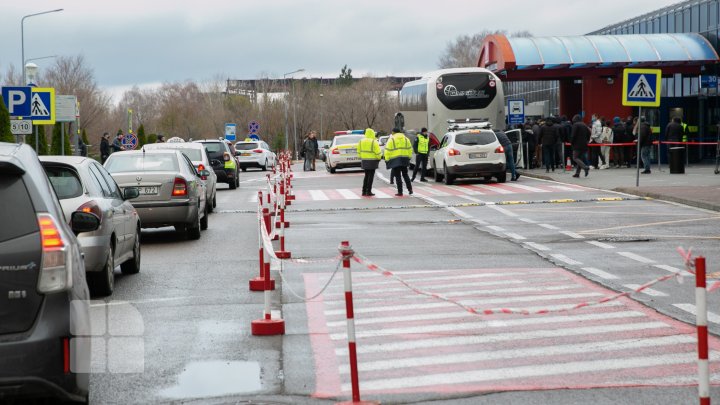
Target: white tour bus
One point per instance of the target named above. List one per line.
(457, 93)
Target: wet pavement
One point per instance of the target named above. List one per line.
(698, 187)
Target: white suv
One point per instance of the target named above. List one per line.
(469, 150)
(254, 154)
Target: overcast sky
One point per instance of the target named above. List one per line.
(145, 42)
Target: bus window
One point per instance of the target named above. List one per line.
(463, 91)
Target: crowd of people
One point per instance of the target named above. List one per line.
(604, 144)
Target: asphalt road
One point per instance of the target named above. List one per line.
(533, 245)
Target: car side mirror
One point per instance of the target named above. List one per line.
(131, 192)
(204, 173)
(84, 222)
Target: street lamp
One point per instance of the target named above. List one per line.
(30, 72)
(286, 106)
(22, 35)
(321, 116)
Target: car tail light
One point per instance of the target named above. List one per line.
(500, 149)
(66, 355)
(91, 207)
(334, 151)
(453, 152)
(226, 156)
(179, 187)
(54, 275)
(258, 150)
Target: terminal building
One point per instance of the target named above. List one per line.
(583, 74)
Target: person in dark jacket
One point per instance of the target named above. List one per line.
(82, 147)
(548, 137)
(619, 137)
(117, 145)
(104, 147)
(645, 138)
(579, 139)
(629, 137)
(674, 130)
(509, 157)
(559, 137)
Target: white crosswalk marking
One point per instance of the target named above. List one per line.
(636, 257)
(496, 190)
(600, 273)
(566, 259)
(711, 316)
(403, 337)
(537, 246)
(318, 195)
(380, 194)
(600, 244)
(649, 291)
(348, 194)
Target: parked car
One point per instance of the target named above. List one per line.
(82, 184)
(343, 150)
(171, 190)
(42, 286)
(382, 141)
(254, 154)
(323, 146)
(469, 151)
(225, 166)
(199, 157)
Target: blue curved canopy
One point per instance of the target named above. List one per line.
(611, 51)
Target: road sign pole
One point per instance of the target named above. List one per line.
(62, 139)
(36, 140)
(637, 172)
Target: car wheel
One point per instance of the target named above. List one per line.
(244, 169)
(327, 167)
(102, 283)
(436, 175)
(232, 184)
(449, 178)
(193, 229)
(204, 220)
(214, 202)
(237, 179)
(501, 177)
(265, 166)
(132, 266)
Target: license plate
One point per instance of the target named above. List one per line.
(245, 154)
(478, 155)
(352, 158)
(348, 151)
(148, 190)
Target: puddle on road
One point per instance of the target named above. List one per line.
(216, 378)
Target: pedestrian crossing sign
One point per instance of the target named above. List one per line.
(641, 87)
(42, 105)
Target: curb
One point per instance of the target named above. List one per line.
(665, 197)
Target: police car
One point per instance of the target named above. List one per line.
(342, 152)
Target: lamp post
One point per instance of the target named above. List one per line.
(22, 35)
(30, 71)
(321, 116)
(286, 106)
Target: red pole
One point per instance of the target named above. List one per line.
(352, 350)
(702, 331)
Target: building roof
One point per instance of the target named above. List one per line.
(500, 53)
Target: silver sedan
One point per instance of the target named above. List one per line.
(171, 190)
(82, 184)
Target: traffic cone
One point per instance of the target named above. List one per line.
(568, 165)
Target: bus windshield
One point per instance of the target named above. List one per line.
(466, 91)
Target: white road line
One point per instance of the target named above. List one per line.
(432, 190)
(515, 236)
(648, 291)
(479, 221)
(520, 372)
(433, 201)
(543, 351)
(600, 244)
(712, 317)
(503, 211)
(528, 220)
(529, 188)
(340, 296)
(495, 228)
(672, 269)
(600, 273)
(537, 246)
(566, 259)
(572, 234)
(565, 188)
(380, 194)
(458, 212)
(548, 226)
(497, 190)
(636, 257)
(383, 281)
(347, 194)
(466, 190)
(439, 326)
(517, 335)
(475, 200)
(318, 195)
(382, 177)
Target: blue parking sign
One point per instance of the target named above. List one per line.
(17, 100)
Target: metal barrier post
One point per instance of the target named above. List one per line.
(266, 326)
(282, 253)
(702, 331)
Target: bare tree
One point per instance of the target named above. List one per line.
(465, 49)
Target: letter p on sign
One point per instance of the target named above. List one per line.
(17, 100)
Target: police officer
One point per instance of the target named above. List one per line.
(369, 153)
(421, 147)
(398, 152)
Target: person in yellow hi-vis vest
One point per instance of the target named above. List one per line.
(398, 152)
(369, 153)
(421, 147)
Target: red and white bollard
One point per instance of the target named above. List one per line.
(347, 252)
(258, 283)
(282, 253)
(267, 326)
(702, 331)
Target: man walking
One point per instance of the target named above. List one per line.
(645, 139)
(421, 146)
(579, 138)
(313, 139)
(369, 153)
(398, 152)
(548, 136)
(104, 147)
(509, 156)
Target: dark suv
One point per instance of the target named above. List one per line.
(42, 286)
(222, 155)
